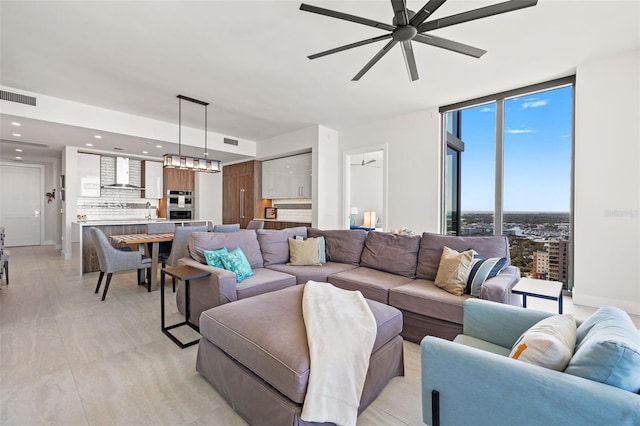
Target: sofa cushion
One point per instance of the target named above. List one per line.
(422, 297)
(314, 273)
(274, 243)
(341, 245)
(608, 350)
(393, 253)
(304, 252)
(453, 271)
(481, 270)
(373, 284)
(214, 257)
(273, 342)
(245, 239)
(549, 343)
(264, 281)
(431, 249)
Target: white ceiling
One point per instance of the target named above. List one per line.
(248, 59)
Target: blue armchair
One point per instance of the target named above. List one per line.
(472, 381)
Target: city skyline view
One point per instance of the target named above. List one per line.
(537, 154)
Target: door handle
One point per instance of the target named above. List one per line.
(242, 203)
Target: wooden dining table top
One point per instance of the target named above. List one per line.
(142, 238)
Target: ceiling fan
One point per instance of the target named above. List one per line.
(408, 26)
(366, 163)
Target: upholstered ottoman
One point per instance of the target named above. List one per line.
(255, 354)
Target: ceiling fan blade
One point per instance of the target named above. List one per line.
(349, 46)
(471, 15)
(375, 59)
(370, 161)
(400, 11)
(426, 11)
(454, 46)
(346, 17)
(410, 60)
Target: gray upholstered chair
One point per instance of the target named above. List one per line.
(164, 248)
(255, 224)
(233, 227)
(113, 260)
(4, 257)
(179, 245)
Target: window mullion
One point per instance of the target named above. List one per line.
(499, 183)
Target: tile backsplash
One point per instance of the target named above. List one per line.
(115, 203)
(294, 210)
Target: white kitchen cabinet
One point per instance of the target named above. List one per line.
(89, 172)
(153, 180)
(287, 177)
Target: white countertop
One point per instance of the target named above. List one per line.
(132, 221)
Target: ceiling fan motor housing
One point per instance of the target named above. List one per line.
(404, 33)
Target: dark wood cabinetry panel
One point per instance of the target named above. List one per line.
(283, 225)
(242, 193)
(178, 179)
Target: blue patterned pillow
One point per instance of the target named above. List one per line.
(236, 262)
(214, 258)
(481, 270)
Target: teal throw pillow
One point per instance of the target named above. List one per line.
(608, 350)
(236, 262)
(214, 258)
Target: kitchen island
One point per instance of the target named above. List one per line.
(89, 258)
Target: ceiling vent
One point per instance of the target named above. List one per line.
(16, 97)
(233, 142)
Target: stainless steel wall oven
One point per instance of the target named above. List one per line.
(180, 205)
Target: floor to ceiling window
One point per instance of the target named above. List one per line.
(508, 171)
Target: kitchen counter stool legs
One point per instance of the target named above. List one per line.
(186, 274)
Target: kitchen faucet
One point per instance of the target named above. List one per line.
(149, 211)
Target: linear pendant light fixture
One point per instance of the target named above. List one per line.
(173, 161)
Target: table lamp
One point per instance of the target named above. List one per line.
(369, 220)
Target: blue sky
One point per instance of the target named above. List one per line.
(537, 154)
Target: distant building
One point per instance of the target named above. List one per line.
(559, 260)
(515, 231)
(540, 267)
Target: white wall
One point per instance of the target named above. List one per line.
(414, 162)
(607, 183)
(72, 189)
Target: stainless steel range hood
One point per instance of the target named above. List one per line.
(122, 175)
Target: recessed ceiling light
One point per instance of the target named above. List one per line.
(15, 123)
(88, 144)
(18, 158)
(18, 150)
(98, 137)
(145, 152)
(158, 146)
(17, 135)
(206, 153)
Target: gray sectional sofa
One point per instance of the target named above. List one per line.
(397, 270)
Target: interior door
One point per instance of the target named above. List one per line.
(21, 204)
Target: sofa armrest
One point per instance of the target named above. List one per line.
(498, 288)
(498, 323)
(205, 293)
(482, 388)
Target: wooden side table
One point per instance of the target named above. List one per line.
(183, 273)
(550, 290)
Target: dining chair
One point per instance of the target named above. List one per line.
(113, 260)
(179, 245)
(164, 248)
(233, 227)
(255, 224)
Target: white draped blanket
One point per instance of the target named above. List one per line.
(341, 331)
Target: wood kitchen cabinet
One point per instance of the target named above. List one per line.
(242, 193)
(178, 179)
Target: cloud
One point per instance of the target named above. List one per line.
(519, 131)
(487, 109)
(534, 103)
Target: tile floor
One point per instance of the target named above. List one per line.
(67, 358)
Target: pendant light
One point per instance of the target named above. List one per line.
(179, 161)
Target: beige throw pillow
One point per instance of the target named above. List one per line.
(549, 343)
(454, 270)
(304, 252)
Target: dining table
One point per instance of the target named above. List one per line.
(143, 241)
